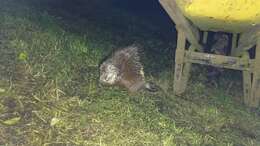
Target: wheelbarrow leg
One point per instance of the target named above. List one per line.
(247, 82)
(180, 68)
(247, 75)
(185, 76)
(255, 93)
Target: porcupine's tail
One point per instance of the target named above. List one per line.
(151, 87)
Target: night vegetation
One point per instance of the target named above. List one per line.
(49, 90)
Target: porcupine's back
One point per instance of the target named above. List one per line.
(130, 67)
(124, 68)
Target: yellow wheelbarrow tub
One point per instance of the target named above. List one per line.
(222, 15)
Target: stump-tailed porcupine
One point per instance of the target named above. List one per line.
(124, 69)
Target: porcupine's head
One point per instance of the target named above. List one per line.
(220, 45)
(123, 68)
(109, 73)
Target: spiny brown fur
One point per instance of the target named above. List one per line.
(127, 60)
(220, 45)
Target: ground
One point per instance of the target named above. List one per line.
(50, 95)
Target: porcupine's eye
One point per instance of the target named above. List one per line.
(109, 74)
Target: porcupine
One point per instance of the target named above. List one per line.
(219, 47)
(124, 69)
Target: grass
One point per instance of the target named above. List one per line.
(49, 91)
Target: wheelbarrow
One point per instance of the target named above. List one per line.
(195, 18)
